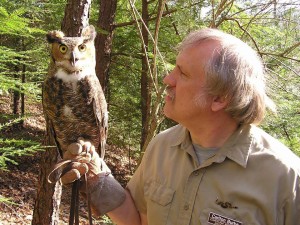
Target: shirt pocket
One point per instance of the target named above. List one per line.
(159, 199)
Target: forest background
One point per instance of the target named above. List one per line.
(144, 35)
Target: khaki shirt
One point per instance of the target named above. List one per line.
(253, 179)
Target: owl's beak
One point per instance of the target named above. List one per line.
(73, 59)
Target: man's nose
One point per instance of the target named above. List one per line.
(169, 79)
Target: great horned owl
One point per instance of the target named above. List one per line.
(73, 101)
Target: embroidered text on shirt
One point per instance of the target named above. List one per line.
(217, 219)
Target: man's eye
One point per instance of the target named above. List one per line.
(182, 74)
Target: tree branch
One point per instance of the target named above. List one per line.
(168, 12)
(245, 31)
(139, 20)
(126, 55)
(290, 49)
(279, 55)
(173, 23)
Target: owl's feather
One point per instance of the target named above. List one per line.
(73, 101)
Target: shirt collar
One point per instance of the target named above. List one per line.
(182, 136)
(236, 148)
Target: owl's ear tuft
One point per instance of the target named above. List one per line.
(89, 33)
(55, 36)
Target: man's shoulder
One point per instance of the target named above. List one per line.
(264, 140)
(268, 145)
(170, 137)
(172, 130)
(173, 135)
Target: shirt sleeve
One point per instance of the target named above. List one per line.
(136, 187)
(292, 206)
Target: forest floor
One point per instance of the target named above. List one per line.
(19, 183)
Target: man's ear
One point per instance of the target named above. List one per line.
(219, 103)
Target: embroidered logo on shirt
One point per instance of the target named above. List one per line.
(217, 219)
(225, 204)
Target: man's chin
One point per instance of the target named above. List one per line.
(167, 112)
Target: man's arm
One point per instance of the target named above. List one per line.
(106, 195)
(127, 214)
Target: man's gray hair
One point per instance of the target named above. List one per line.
(235, 72)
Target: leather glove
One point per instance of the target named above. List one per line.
(84, 160)
(105, 193)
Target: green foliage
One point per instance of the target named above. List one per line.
(17, 35)
(12, 148)
(7, 201)
(125, 73)
(106, 221)
(19, 56)
(8, 84)
(13, 23)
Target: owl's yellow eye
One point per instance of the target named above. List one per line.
(63, 49)
(82, 47)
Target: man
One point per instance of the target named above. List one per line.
(215, 166)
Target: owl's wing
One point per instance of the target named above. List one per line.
(47, 96)
(101, 114)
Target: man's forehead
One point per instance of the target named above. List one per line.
(203, 50)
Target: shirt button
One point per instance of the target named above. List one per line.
(196, 173)
(186, 206)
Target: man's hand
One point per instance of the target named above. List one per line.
(103, 191)
(85, 160)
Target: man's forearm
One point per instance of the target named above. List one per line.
(127, 214)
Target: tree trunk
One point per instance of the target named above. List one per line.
(46, 209)
(16, 91)
(77, 13)
(16, 96)
(23, 80)
(155, 116)
(22, 94)
(103, 42)
(145, 84)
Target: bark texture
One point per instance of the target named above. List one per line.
(103, 41)
(77, 13)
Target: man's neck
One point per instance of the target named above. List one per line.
(212, 133)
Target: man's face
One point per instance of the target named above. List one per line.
(186, 99)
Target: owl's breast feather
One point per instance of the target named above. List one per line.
(67, 111)
(73, 77)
